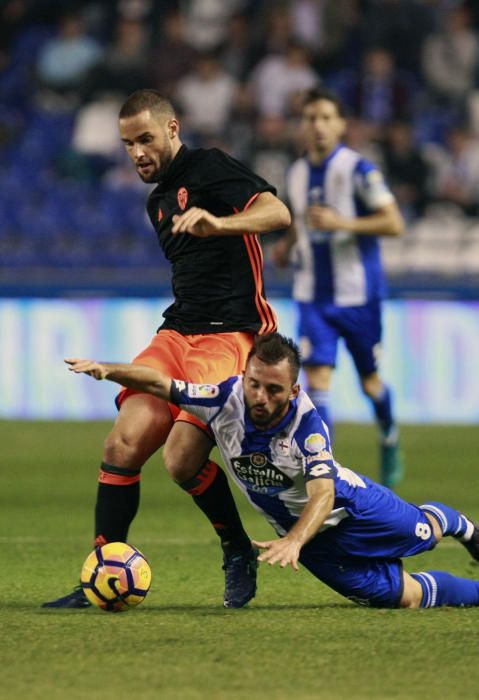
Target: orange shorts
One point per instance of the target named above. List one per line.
(201, 359)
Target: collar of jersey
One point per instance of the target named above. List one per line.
(251, 428)
(324, 162)
(175, 164)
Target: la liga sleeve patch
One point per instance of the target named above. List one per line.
(203, 391)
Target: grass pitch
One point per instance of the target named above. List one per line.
(296, 639)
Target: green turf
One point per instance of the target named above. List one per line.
(297, 639)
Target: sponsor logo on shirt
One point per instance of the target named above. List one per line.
(260, 475)
(203, 391)
(315, 443)
(182, 197)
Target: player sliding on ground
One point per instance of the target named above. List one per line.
(347, 530)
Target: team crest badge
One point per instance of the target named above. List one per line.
(182, 197)
(258, 459)
(160, 214)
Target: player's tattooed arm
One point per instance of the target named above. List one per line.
(146, 379)
(286, 550)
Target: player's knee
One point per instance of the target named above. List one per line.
(129, 447)
(436, 528)
(185, 452)
(412, 592)
(372, 385)
(120, 449)
(140, 429)
(319, 377)
(180, 472)
(181, 462)
(411, 602)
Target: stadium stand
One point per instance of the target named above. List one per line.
(72, 215)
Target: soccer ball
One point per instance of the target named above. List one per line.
(115, 577)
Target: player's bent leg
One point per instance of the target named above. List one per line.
(384, 584)
(455, 524)
(140, 429)
(388, 528)
(391, 463)
(186, 447)
(186, 459)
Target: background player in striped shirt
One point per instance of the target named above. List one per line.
(347, 530)
(340, 205)
(206, 209)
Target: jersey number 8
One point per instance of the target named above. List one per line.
(423, 531)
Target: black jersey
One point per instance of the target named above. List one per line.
(217, 281)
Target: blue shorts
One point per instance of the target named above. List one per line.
(361, 557)
(321, 326)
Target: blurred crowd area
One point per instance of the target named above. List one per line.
(407, 71)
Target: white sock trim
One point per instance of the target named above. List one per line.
(434, 510)
(430, 589)
(469, 530)
(391, 438)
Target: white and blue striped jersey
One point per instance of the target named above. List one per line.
(272, 466)
(342, 268)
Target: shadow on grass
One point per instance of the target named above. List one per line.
(203, 609)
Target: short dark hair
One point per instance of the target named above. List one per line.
(271, 348)
(319, 93)
(142, 100)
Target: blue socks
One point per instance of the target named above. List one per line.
(440, 588)
(451, 521)
(321, 400)
(382, 406)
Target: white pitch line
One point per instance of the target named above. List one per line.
(75, 540)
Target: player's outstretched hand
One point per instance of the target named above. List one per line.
(282, 552)
(90, 367)
(198, 222)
